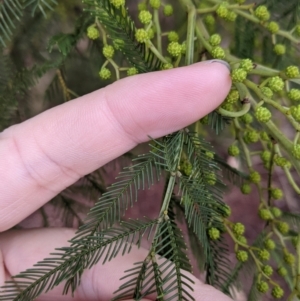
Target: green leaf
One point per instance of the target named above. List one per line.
(64, 43)
(120, 27)
(41, 5)
(68, 264)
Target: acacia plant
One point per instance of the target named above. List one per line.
(260, 116)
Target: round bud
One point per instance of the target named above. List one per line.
(141, 35)
(279, 49)
(267, 270)
(277, 292)
(155, 4)
(108, 51)
(211, 178)
(222, 10)
(167, 66)
(276, 84)
(267, 92)
(292, 71)
(254, 177)
(247, 118)
(231, 16)
(238, 75)
(295, 112)
(276, 212)
(233, 150)
(233, 96)
(262, 286)
(246, 64)
(226, 211)
(273, 27)
(104, 73)
(238, 229)
(246, 189)
(242, 239)
(262, 13)
(276, 193)
(93, 32)
(251, 136)
(296, 151)
(218, 52)
(269, 244)
(264, 255)
(215, 39)
(173, 36)
(209, 20)
(174, 49)
(214, 233)
(289, 258)
(265, 156)
(264, 136)
(263, 114)
(282, 162)
(117, 3)
(132, 71)
(283, 227)
(282, 271)
(168, 10)
(265, 214)
(145, 17)
(242, 256)
(294, 94)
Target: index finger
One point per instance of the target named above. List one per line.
(43, 155)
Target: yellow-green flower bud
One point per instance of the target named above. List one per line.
(279, 49)
(277, 292)
(276, 84)
(141, 35)
(117, 3)
(168, 10)
(242, 256)
(218, 52)
(174, 49)
(294, 94)
(292, 71)
(264, 255)
(173, 36)
(105, 73)
(145, 17)
(262, 13)
(93, 32)
(155, 4)
(273, 27)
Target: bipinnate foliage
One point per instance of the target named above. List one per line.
(265, 83)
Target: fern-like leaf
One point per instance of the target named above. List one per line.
(68, 263)
(120, 27)
(41, 5)
(120, 195)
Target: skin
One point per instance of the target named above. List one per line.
(45, 154)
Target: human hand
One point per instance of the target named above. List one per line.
(43, 155)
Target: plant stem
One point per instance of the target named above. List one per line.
(158, 29)
(246, 107)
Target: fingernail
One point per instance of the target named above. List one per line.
(221, 62)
